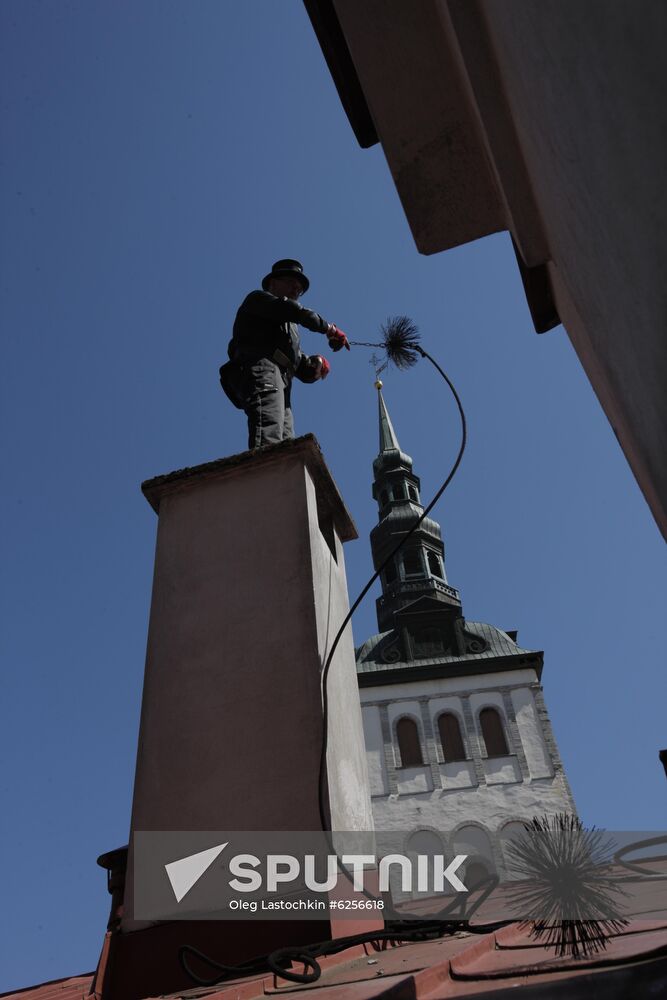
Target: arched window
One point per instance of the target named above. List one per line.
(450, 737)
(412, 563)
(412, 490)
(409, 746)
(398, 492)
(475, 873)
(434, 564)
(424, 842)
(509, 835)
(492, 733)
(474, 841)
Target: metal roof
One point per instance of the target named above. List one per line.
(388, 439)
(634, 964)
(497, 645)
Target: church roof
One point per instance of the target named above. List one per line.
(375, 655)
(494, 961)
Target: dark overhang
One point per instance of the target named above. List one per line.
(329, 34)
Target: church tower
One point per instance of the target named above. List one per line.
(419, 568)
(459, 743)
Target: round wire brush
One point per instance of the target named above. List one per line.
(400, 341)
(566, 891)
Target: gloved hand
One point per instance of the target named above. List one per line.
(312, 369)
(337, 339)
(325, 367)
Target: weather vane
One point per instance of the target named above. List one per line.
(379, 367)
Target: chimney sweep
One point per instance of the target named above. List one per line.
(265, 353)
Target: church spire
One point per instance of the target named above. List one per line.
(388, 440)
(418, 569)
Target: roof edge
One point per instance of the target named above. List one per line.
(434, 671)
(329, 34)
(306, 448)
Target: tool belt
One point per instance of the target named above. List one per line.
(234, 379)
(233, 382)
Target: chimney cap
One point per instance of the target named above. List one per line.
(113, 859)
(328, 497)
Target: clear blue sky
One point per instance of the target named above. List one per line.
(157, 157)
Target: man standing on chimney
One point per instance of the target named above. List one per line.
(265, 353)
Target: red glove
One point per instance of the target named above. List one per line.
(312, 369)
(337, 339)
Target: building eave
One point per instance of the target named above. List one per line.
(326, 26)
(462, 667)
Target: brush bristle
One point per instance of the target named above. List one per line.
(400, 338)
(562, 887)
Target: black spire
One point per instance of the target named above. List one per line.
(418, 570)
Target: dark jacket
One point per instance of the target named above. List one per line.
(266, 324)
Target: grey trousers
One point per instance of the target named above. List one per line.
(268, 405)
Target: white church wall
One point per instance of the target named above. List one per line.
(457, 774)
(537, 756)
(377, 772)
(502, 770)
(443, 686)
(487, 699)
(397, 709)
(413, 780)
(490, 806)
(490, 792)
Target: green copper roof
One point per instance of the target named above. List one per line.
(388, 440)
(497, 645)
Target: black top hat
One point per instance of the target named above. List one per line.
(287, 267)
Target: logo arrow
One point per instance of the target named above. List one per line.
(185, 872)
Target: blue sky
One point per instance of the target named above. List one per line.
(157, 158)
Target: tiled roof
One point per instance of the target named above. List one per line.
(497, 644)
(71, 988)
(634, 965)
